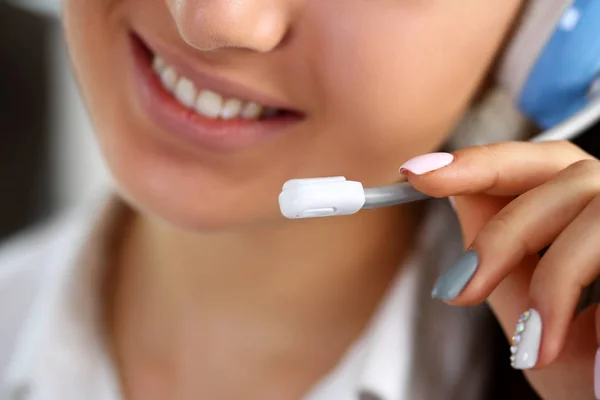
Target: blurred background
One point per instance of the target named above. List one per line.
(49, 160)
(48, 157)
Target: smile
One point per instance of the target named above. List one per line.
(206, 102)
(202, 109)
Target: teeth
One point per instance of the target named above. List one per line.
(206, 102)
(231, 109)
(159, 64)
(186, 92)
(209, 104)
(251, 111)
(169, 78)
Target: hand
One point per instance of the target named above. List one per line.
(558, 205)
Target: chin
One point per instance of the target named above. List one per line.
(199, 200)
(202, 217)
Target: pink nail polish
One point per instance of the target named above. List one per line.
(597, 375)
(427, 163)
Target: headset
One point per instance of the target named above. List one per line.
(551, 70)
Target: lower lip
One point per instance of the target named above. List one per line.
(200, 131)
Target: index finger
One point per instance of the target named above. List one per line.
(503, 169)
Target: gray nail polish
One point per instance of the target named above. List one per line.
(453, 281)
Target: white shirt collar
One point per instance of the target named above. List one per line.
(379, 364)
(62, 354)
(63, 357)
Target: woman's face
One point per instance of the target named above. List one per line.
(343, 87)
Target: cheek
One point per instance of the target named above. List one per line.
(399, 80)
(193, 191)
(96, 47)
(388, 91)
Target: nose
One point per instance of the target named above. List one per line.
(258, 25)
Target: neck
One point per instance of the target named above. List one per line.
(296, 294)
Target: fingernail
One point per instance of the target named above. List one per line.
(453, 281)
(452, 202)
(597, 375)
(526, 340)
(427, 163)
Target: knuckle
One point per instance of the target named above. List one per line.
(594, 207)
(566, 145)
(489, 235)
(481, 149)
(502, 231)
(499, 226)
(568, 149)
(586, 166)
(587, 172)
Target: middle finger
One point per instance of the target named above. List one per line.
(527, 225)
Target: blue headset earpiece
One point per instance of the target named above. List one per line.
(552, 67)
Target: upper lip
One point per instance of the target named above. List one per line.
(217, 84)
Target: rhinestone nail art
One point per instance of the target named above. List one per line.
(516, 339)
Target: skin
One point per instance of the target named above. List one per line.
(379, 83)
(558, 206)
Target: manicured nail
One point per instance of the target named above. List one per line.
(453, 281)
(427, 163)
(597, 375)
(526, 340)
(452, 202)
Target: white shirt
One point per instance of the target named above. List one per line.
(52, 345)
